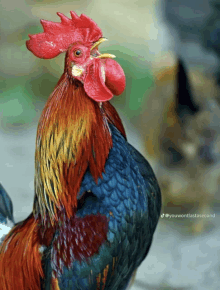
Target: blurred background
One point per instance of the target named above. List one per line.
(169, 51)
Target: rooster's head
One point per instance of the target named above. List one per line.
(80, 37)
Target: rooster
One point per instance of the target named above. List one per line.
(97, 201)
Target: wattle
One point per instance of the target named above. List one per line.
(101, 90)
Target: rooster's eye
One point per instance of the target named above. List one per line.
(77, 52)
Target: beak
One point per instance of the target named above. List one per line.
(101, 40)
(104, 55)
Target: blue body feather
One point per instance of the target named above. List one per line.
(129, 195)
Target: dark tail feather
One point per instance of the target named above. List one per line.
(185, 105)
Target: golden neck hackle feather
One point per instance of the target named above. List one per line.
(72, 135)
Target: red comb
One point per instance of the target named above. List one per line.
(57, 37)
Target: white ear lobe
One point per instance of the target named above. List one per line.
(77, 70)
(5, 229)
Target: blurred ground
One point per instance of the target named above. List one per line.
(143, 45)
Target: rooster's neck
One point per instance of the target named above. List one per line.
(73, 135)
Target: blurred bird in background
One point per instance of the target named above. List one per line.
(185, 104)
(186, 141)
(97, 201)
